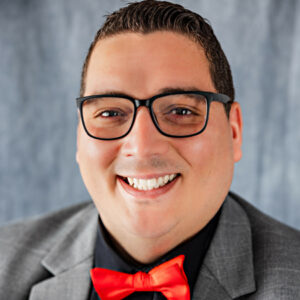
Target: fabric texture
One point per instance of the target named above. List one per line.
(251, 256)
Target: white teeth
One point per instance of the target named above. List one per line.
(135, 182)
(143, 183)
(172, 176)
(160, 181)
(166, 178)
(151, 183)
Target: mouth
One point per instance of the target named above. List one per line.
(148, 184)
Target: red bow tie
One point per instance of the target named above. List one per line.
(168, 278)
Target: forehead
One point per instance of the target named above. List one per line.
(146, 62)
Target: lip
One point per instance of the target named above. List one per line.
(151, 194)
(148, 176)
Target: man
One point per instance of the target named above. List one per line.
(158, 136)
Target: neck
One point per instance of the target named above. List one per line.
(142, 251)
(147, 250)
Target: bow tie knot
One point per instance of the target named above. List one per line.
(141, 281)
(168, 278)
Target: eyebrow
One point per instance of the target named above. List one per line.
(178, 89)
(164, 90)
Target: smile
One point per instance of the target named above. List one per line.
(148, 184)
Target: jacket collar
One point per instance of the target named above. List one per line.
(227, 271)
(70, 259)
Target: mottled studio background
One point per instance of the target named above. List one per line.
(42, 47)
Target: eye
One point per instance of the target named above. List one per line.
(181, 111)
(109, 113)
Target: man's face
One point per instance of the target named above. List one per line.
(141, 66)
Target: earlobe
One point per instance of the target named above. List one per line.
(236, 124)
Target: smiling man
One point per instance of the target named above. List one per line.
(178, 183)
(158, 135)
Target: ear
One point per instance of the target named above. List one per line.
(236, 124)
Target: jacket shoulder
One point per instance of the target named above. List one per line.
(276, 254)
(24, 244)
(30, 233)
(264, 226)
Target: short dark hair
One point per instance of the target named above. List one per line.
(149, 16)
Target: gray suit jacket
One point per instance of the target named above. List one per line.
(251, 256)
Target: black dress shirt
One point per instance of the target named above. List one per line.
(109, 257)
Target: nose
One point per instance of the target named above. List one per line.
(144, 140)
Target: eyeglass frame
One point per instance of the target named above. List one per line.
(209, 96)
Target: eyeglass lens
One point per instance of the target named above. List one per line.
(177, 115)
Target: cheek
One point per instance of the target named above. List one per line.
(209, 155)
(197, 151)
(94, 156)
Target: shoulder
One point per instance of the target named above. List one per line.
(23, 245)
(267, 230)
(276, 253)
(38, 233)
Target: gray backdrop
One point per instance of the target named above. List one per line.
(42, 47)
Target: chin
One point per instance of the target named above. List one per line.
(151, 227)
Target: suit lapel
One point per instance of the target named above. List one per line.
(73, 284)
(70, 260)
(228, 271)
(208, 287)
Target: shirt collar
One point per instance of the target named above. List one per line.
(108, 256)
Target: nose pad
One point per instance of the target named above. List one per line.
(144, 139)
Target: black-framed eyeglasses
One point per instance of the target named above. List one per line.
(174, 114)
